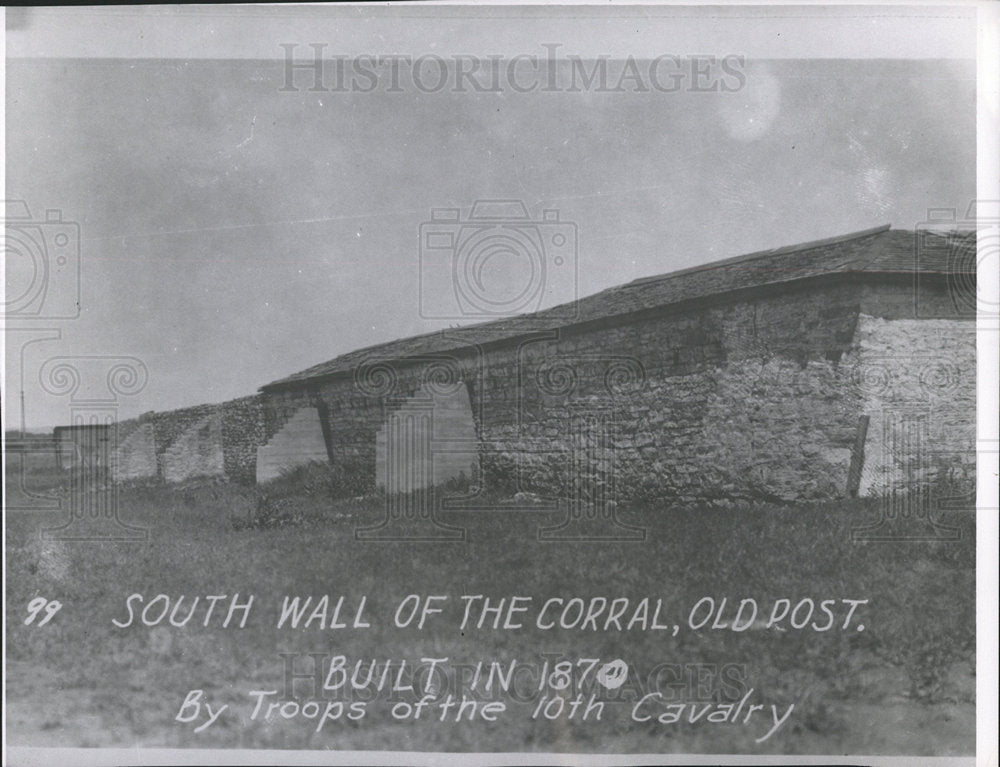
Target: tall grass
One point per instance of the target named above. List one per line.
(293, 537)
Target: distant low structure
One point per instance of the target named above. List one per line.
(824, 370)
(90, 445)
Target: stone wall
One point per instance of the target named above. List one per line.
(217, 440)
(722, 403)
(136, 454)
(171, 426)
(197, 452)
(427, 440)
(826, 390)
(298, 442)
(242, 434)
(756, 397)
(917, 381)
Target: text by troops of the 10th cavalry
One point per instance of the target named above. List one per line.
(449, 689)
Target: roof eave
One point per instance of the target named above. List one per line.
(726, 296)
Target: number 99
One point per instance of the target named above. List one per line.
(37, 605)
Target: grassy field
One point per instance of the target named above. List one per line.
(905, 684)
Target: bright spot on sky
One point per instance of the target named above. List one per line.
(748, 113)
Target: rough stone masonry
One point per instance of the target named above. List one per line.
(825, 370)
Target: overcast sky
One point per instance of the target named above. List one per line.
(232, 234)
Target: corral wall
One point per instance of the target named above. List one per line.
(753, 397)
(299, 442)
(428, 439)
(136, 453)
(197, 452)
(242, 434)
(918, 386)
(820, 391)
(217, 440)
(713, 404)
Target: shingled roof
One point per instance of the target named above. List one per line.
(881, 250)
